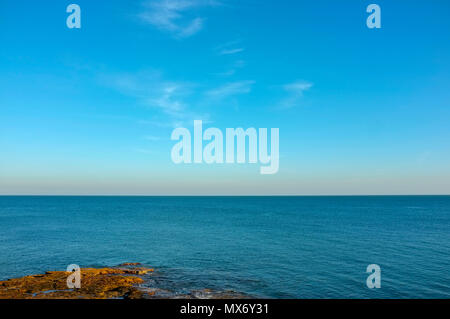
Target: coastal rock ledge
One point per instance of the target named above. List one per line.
(125, 281)
(101, 283)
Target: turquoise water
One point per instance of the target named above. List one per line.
(277, 247)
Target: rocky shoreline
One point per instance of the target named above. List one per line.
(125, 281)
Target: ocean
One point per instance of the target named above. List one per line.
(267, 247)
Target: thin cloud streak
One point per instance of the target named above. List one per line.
(229, 48)
(173, 99)
(239, 64)
(150, 89)
(170, 16)
(230, 89)
(231, 51)
(295, 93)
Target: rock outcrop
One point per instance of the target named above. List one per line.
(102, 283)
(126, 281)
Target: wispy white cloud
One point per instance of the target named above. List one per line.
(229, 72)
(298, 87)
(232, 68)
(150, 89)
(230, 89)
(170, 15)
(231, 51)
(229, 48)
(295, 93)
(195, 26)
(168, 97)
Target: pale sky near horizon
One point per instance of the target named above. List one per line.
(90, 111)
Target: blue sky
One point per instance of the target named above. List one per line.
(91, 110)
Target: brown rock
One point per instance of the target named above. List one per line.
(95, 284)
(102, 283)
(138, 271)
(129, 264)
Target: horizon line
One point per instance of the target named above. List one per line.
(245, 195)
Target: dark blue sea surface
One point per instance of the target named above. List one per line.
(276, 247)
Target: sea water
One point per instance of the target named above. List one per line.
(275, 247)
